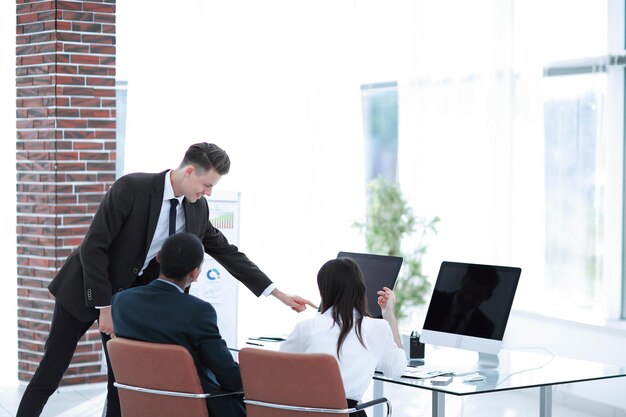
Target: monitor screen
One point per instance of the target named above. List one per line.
(378, 271)
(470, 306)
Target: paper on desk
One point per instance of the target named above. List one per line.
(421, 373)
(267, 343)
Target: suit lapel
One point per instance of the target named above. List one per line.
(156, 202)
(190, 216)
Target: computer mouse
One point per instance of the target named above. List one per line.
(474, 378)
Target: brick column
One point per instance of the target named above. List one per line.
(65, 79)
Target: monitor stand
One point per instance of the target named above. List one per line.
(486, 362)
(469, 365)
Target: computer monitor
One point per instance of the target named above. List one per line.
(378, 271)
(470, 306)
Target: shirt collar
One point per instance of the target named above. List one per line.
(168, 190)
(171, 283)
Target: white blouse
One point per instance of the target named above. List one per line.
(356, 363)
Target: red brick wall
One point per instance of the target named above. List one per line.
(65, 82)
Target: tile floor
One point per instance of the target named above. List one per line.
(79, 401)
(87, 401)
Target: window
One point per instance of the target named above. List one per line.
(380, 129)
(583, 99)
(575, 184)
(513, 134)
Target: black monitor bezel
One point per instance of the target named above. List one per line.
(389, 282)
(515, 273)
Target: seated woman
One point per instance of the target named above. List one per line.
(344, 330)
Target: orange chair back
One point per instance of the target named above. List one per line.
(155, 366)
(298, 379)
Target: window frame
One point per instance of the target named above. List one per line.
(614, 65)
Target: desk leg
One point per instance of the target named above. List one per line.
(378, 392)
(545, 401)
(439, 404)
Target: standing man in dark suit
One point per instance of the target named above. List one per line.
(133, 220)
(161, 312)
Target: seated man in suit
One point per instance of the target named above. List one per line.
(161, 312)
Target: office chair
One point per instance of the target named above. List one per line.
(156, 380)
(285, 384)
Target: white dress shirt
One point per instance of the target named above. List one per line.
(162, 230)
(356, 363)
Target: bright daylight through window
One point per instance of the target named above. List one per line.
(510, 128)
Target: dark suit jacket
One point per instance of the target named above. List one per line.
(160, 313)
(479, 325)
(115, 246)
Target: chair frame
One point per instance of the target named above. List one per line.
(172, 393)
(323, 410)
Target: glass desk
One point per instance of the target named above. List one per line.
(517, 369)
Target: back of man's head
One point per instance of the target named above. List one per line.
(180, 254)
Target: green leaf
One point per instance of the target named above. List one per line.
(389, 221)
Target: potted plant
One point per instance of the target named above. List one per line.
(388, 222)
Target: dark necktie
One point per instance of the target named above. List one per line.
(173, 204)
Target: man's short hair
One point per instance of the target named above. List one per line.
(180, 254)
(206, 156)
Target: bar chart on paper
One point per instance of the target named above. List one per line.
(215, 285)
(223, 220)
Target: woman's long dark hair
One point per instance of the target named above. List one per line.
(342, 288)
